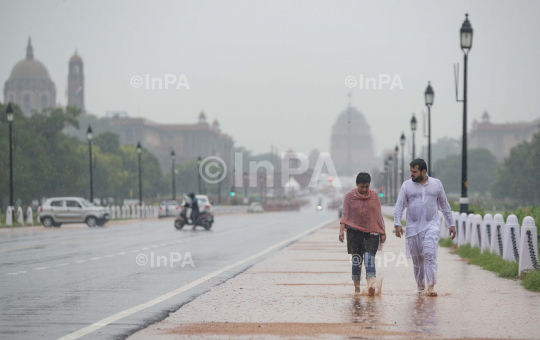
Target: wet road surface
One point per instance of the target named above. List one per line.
(305, 290)
(59, 281)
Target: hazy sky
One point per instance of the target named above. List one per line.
(273, 72)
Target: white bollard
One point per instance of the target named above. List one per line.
(118, 212)
(487, 229)
(9, 217)
(20, 216)
(476, 233)
(470, 221)
(511, 239)
(462, 229)
(29, 216)
(133, 211)
(124, 208)
(497, 232)
(109, 210)
(138, 211)
(528, 246)
(112, 216)
(456, 222)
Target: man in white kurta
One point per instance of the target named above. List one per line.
(422, 195)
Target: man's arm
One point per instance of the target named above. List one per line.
(446, 211)
(398, 210)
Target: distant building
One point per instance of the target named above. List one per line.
(500, 138)
(29, 84)
(189, 141)
(351, 143)
(75, 91)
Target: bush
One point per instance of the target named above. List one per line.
(489, 261)
(532, 281)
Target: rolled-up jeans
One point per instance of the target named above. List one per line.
(363, 247)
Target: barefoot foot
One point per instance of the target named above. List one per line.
(371, 291)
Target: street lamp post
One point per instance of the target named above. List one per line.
(429, 96)
(10, 117)
(219, 184)
(246, 177)
(89, 136)
(386, 181)
(139, 150)
(199, 173)
(396, 150)
(390, 179)
(173, 156)
(402, 142)
(466, 35)
(413, 129)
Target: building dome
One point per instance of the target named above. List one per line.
(27, 69)
(29, 84)
(351, 143)
(75, 58)
(353, 117)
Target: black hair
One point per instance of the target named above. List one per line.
(363, 177)
(420, 163)
(192, 195)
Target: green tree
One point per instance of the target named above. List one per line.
(47, 162)
(481, 171)
(518, 176)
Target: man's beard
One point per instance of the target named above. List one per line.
(420, 178)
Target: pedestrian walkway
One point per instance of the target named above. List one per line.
(305, 290)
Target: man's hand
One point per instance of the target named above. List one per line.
(341, 235)
(452, 231)
(399, 230)
(383, 238)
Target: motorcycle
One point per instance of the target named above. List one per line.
(205, 219)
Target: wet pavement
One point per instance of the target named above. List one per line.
(305, 290)
(61, 280)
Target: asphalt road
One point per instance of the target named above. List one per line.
(59, 281)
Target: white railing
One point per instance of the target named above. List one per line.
(508, 240)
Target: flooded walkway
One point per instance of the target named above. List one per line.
(305, 290)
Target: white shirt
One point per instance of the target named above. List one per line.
(422, 201)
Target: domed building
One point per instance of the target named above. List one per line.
(351, 144)
(29, 84)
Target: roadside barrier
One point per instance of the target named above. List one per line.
(485, 241)
(510, 239)
(29, 216)
(476, 232)
(528, 256)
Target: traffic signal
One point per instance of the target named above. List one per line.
(232, 193)
(381, 192)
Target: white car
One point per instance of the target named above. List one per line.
(56, 211)
(255, 207)
(168, 208)
(203, 202)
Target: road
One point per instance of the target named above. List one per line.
(59, 281)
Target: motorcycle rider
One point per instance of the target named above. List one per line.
(194, 209)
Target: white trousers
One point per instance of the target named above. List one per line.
(422, 248)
